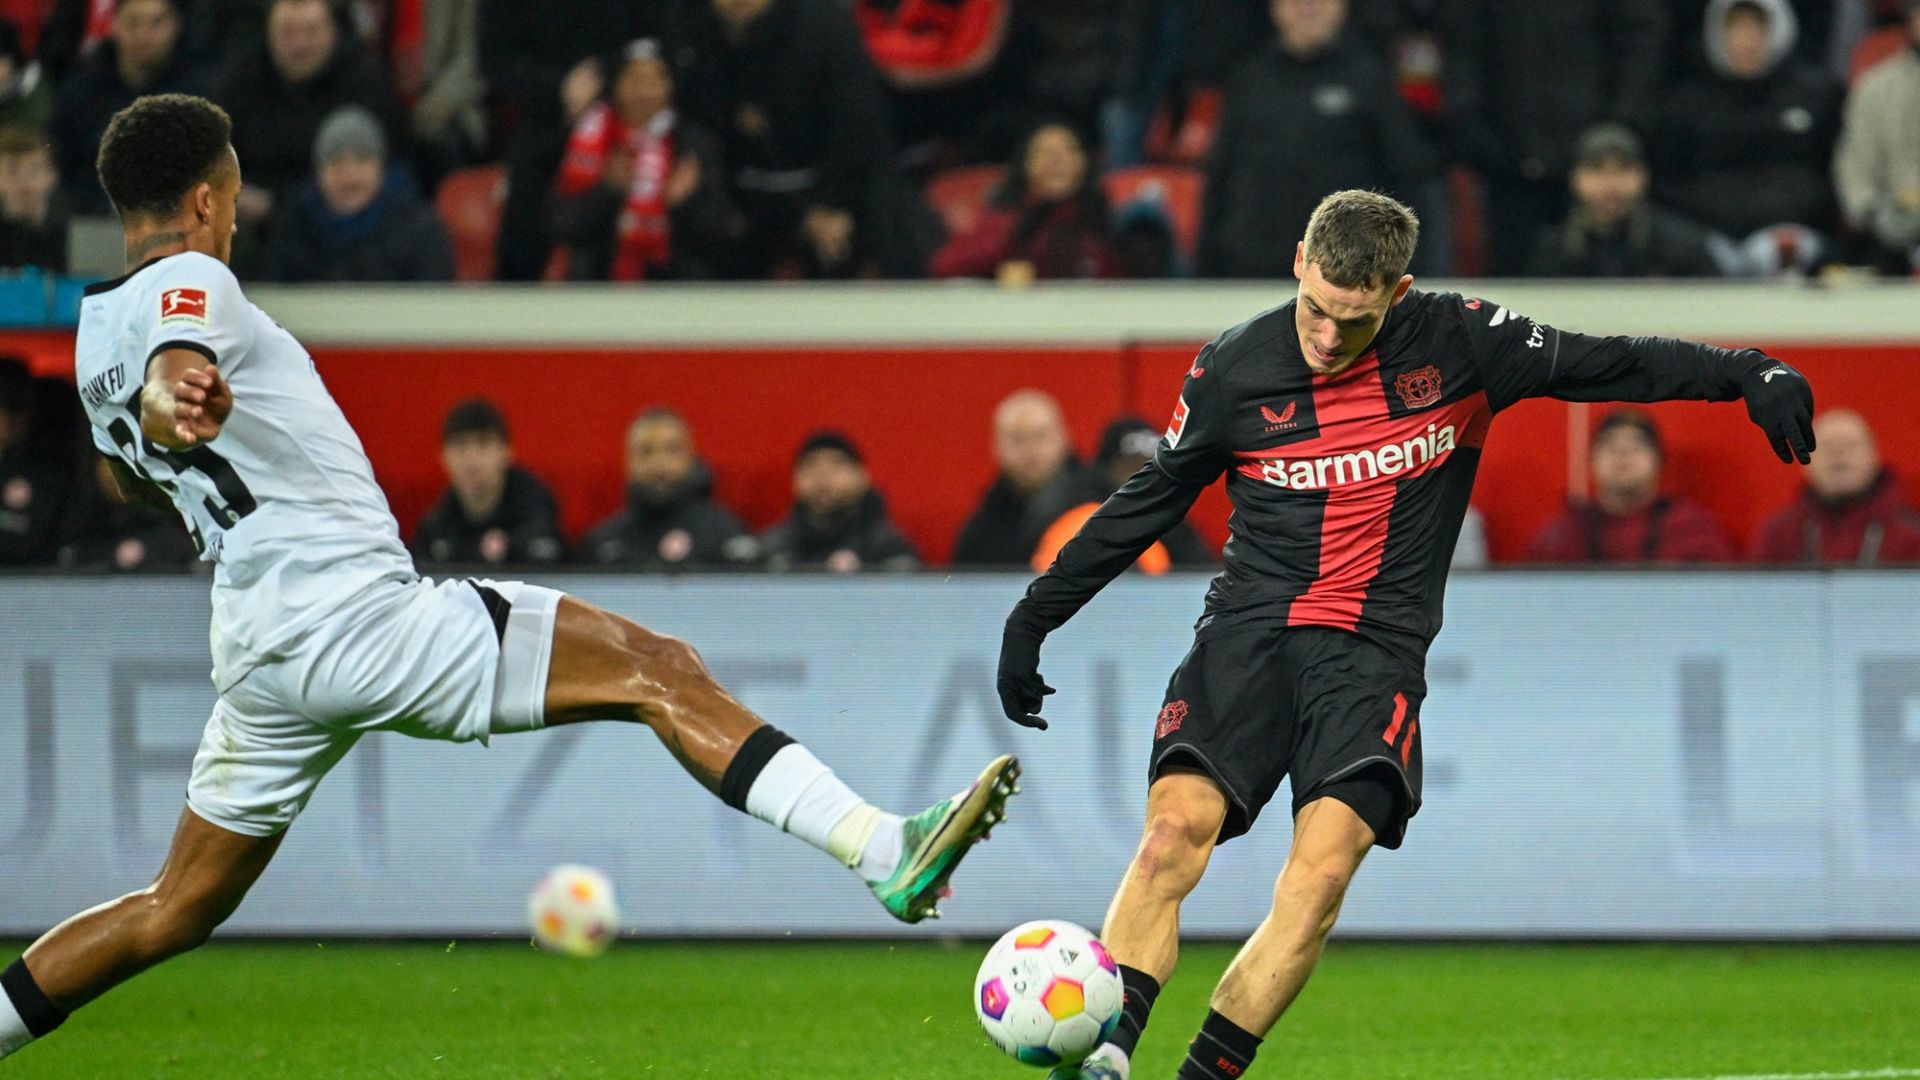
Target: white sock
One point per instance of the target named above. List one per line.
(13, 1030)
(796, 793)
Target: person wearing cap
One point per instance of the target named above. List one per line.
(1851, 510)
(1746, 146)
(838, 522)
(1629, 519)
(359, 218)
(1877, 165)
(493, 511)
(282, 92)
(141, 56)
(671, 520)
(641, 192)
(1126, 446)
(1614, 230)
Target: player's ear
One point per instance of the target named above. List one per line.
(1400, 290)
(1300, 260)
(203, 202)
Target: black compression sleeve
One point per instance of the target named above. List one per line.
(1125, 526)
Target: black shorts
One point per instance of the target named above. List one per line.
(1337, 712)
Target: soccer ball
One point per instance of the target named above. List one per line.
(1048, 992)
(573, 911)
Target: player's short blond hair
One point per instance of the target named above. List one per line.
(1362, 239)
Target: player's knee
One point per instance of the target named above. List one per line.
(661, 652)
(1314, 888)
(1174, 849)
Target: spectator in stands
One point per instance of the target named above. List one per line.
(642, 193)
(493, 511)
(33, 213)
(450, 105)
(280, 94)
(1614, 230)
(1629, 519)
(26, 94)
(838, 522)
(1523, 79)
(74, 32)
(1877, 168)
(359, 219)
(1316, 112)
(1039, 480)
(1749, 146)
(1048, 219)
(1125, 448)
(33, 486)
(142, 57)
(671, 520)
(1169, 55)
(543, 60)
(949, 74)
(1851, 510)
(112, 530)
(790, 89)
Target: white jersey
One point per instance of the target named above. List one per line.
(283, 502)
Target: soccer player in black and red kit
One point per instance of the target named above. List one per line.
(1348, 423)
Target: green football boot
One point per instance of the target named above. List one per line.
(937, 838)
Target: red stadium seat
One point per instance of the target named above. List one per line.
(1179, 186)
(958, 194)
(1874, 48)
(1185, 137)
(469, 204)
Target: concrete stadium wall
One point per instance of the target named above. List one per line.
(1683, 754)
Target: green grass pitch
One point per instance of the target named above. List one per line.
(899, 1011)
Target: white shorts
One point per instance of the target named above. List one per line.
(459, 660)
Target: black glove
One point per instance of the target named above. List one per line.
(1021, 688)
(1780, 400)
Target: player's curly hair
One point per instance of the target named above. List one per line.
(1362, 239)
(156, 149)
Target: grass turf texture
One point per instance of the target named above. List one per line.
(879, 1010)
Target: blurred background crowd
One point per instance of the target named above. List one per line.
(58, 508)
(630, 140)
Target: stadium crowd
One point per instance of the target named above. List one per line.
(637, 140)
(60, 508)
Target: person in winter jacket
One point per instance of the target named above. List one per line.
(642, 192)
(360, 219)
(1049, 219)
(1614, 230)
(671, 520)
(839, 522)
(1851, 510)
(1877, 166)
(493, 511)
(1315, 112)
(1629, 519)
(1748, 145)
(1039, 481)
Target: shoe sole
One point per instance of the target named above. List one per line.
(977, 812)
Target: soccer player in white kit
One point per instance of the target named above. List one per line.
(322, 631)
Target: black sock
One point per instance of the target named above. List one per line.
(753, 755)
(1135, 1006)
(1222, 1050)
(36, 1010)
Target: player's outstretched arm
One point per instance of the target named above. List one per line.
(185, 401)
(1521, 358)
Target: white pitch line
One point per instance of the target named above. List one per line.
(1855, 1075)
(1866, 1074)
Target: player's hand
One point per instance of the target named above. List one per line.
(1780, 400)
(1021, 688)
(201, 404)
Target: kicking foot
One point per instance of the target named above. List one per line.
(1106, 1063)
(934, 841)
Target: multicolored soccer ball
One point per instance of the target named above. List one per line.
(1048, 992)
(573, 911)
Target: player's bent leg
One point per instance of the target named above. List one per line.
(1185, 810)
(207, 873)
(606, 667)
(1330, 839)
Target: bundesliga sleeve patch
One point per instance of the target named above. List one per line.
(1179, 424)
(183, 306)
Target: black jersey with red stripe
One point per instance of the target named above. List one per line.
(1348, 491)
